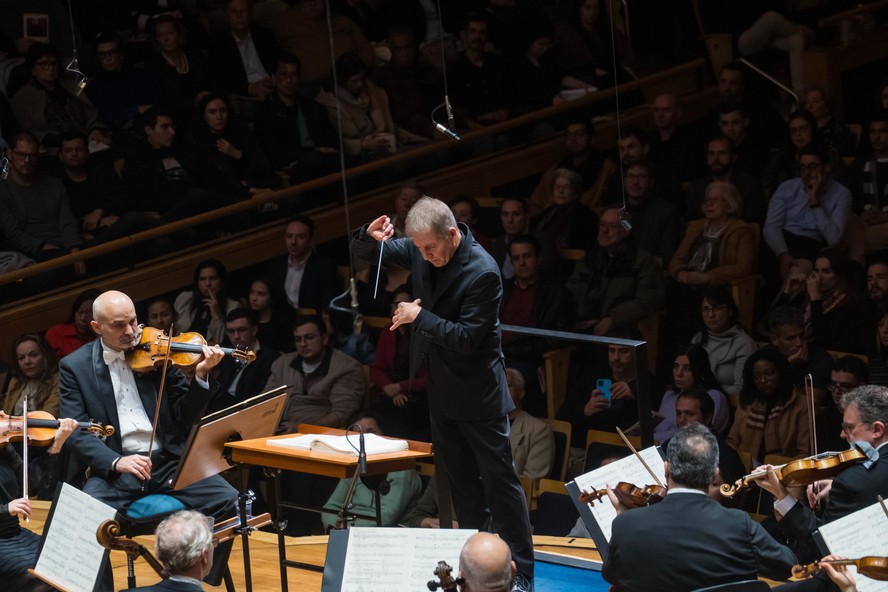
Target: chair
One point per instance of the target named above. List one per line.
(555, 513)
(837, 354)
(562, 432)
(601, 445)
(556, 364)
(744, 586)
(612, 438)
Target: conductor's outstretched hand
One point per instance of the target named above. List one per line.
(381, 229)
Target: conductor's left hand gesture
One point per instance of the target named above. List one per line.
(405, 314)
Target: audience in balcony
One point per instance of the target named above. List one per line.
(478, 79)
(532, 69)
(753, 149)
(877, 279)
(721, 162)
(275, 319)
(784, 163)
(66, 337)
(868, 181)
(633, 146)
(878, 362)
(244, 53)
(203, 308)
(35, 374)
(832, 133)
(568, 222)
(515, 221)
(467, 210)
(161, 314)
(673, 145)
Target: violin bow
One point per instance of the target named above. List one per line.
(882, 503)
(638, 456)
(25, 449)
(166, 361)
(812, 419)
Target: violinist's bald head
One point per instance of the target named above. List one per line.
(109, 302)
(486, 564)
(114, 319)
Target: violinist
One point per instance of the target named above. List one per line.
(96, 382)
(18, 546)
(485, 564)
(856, 487)
(708, 544)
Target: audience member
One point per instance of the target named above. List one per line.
(633, 146)
(485, 565)
(326, 386)
(838, 315)
(35, 374)
(726, 343)
(309, 279)
(244, 53)
(784, 163)
(582, 157)
(709, 544)
(877, 280)
(161, 314)
(515, 221)
(617, 283)
(184, 544)
(35, 216)
(691, 371)
(752, 149)
(772, 415)
(868, 178)
(478, 78)
(467, 210)
(721, 161)
(408, 194)
(66, 337)
(807, 213)
(848, 373)
(302, 31)
(588, 48)
(568, 222)
(878, 362)
(397, 491)
(346, 335)
(533, 444)
(203, 308)
(532, 70)
(786, 332)
(832, 133)
(275, 317)
(238, 379)
(672, 145)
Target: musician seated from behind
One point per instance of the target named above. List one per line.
(854, 488)
(709, 545)
(185, 547)
(485, 564)
(18, 546)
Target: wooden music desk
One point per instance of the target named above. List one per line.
(257, 452)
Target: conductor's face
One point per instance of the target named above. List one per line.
(436, 248)
(115, 320)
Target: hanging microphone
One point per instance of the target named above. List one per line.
(81, 86)
(447, 132)
(362, 455)
(449, 109)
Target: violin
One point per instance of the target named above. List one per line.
(41, 428)
(445, 581)
(801, 472)
(629, 495)
(185, 349)
(875, 568)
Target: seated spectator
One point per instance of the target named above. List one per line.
(402, 405)
(515, 220)
(672, 145)
(726, 343)
(877, 280)
(238, 381)
(772, 417)
(275, 318)
(786, 331)
(839, 316)
(408, 194)
(182, 74)
(868, 179)
(67, 337)
(532, 441)
(848, 373)
(589, 46)
(361, 107)
(532, 69)
(567, 222)
(467, 210)
(203, 308)
(721, 162)
(478, 78)
(752, 149)
(633, 146)
(345, 335)
(161, 314)
(617, 283)
(326, 386)
(35, 215)
(691, 371)
(807, 213)
(49, 105)
(402, 488)
(832, 133)
(35, 374)
(118, 90)
(784, 163)
(227, 160)
(424, 513)
(582, 157)
(878, 362)
(302, 31)
(293, 131)
(244, 53)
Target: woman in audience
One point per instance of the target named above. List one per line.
(878, 362)
(227, 158)
(66, 337)
(49, 105)
(203, 308)
(691, 370)
(587, 46)
(772, 417)
(467, 210)
(837, 312)
(35, 374)
(726, 343)
(276, 318)
(570, 223)
(161, 314)
(833, 134)
(367, 126)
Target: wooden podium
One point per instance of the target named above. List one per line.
(259, 453)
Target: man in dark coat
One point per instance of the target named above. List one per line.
(244, 54)
(455, 334)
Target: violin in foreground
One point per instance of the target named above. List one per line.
(185, 349)
(875, 568)
(41, 428)
(801, 472)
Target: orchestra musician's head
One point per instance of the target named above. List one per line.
(692, 458)
(432, 228)
(865, 415)
(185, 544)
(114, 320)
(485, 564)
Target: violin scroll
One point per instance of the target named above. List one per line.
(445, 581)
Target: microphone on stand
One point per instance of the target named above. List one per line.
(362, 455)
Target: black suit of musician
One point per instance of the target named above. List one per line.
(708, 544)
(95, 383)
(455, 334)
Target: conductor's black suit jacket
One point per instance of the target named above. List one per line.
(456, 334)
(707, 545)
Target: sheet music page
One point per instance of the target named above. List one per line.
(386, 559)
(627, 469)
(857, 535)
(71, 555)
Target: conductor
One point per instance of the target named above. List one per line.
(455, 334)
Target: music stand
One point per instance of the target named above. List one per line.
(205, 453)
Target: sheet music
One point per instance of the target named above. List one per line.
(857, 535)
(627, 469)
(71, 555)
(386, 559)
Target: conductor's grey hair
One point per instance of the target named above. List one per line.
(429, 215)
